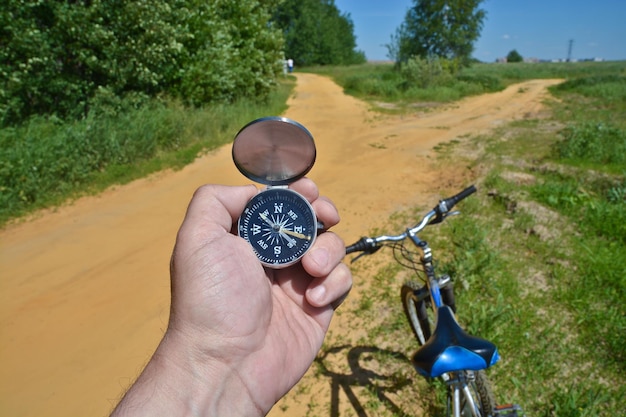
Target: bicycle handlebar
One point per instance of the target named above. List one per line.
(369, 245)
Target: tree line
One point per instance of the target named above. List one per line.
(65, 58)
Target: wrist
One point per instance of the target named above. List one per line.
(180, 379)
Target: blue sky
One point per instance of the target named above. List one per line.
(535, 28)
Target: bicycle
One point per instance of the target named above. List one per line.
(446, 350)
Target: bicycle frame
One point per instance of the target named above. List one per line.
(449, 352)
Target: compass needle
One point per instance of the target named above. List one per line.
(296, 234)
(267, 219)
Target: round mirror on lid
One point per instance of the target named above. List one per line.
(274, 151)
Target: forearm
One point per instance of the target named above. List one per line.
(177, 382)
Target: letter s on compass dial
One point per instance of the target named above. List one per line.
(280, 225)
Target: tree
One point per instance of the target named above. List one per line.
(514, 56)
(441, 28)
(59, 57)
(234, 51)
(316, 32)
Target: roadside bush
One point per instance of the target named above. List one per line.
(46, 157)
(599, 143)
(426, 72)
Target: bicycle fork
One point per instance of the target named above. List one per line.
(440, 289)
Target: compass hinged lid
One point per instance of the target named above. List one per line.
(274, 151)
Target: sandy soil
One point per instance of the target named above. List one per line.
(84, 289)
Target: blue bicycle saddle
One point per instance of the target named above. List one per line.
(451, 349)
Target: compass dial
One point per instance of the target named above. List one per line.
(280, 225)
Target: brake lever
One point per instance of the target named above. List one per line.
(453, 213)
(356, 258)
(369, 252)
(442, 216)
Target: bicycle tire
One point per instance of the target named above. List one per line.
(482, 396)
(416, 312)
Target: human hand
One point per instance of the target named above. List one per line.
(240, 336)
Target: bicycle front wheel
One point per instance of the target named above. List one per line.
(477, 398)
(416, 311)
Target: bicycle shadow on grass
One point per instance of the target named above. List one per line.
(383, 373)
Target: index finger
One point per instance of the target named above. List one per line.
(324, 208)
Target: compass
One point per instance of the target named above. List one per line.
(279, 223)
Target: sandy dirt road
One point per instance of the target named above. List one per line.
(84, 289)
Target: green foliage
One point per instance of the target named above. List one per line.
(575, 401)
(517, 72)
(599, 204)
(606, 89)
(427, 72)
(235, 52)
(45, 157)
(598, 135)
(443, 28)
(588, 85)
(600, 256)
(598, 143)
(55, 55)
(316, 33)
(488, 83)
(514, 56)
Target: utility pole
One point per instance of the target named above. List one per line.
(569, 50)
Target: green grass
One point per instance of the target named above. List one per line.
(516, 72)
(45, 161)
(382, 82)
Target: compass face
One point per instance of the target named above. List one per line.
(280, 225)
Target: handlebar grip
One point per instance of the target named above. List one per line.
(452, 201)
(362, 245)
